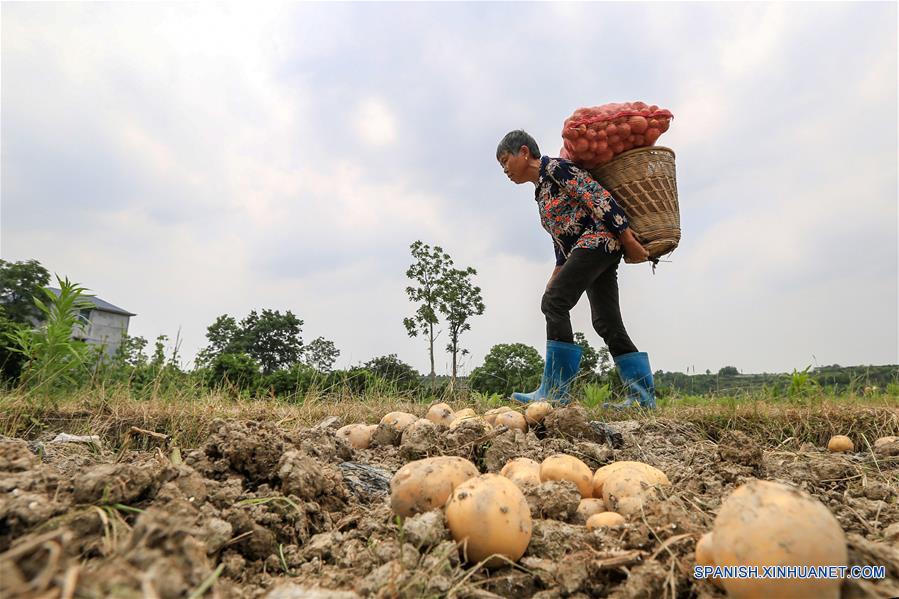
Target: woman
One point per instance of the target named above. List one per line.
(590, 233)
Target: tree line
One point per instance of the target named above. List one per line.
(263, 353)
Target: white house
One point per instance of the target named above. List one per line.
(102, 323)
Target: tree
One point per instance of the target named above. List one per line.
(131, 352)
(593, 361)
(224, 337)
(728, 371)
(507, 368)
(320, 353)
(272, 339)
(20, 283)
(459, 300)
(11, 361)
(428, 270)
(590, 357)
(605, 360)
(392, 369)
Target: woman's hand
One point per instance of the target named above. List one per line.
(634, 253)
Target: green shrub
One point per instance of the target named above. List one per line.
(296, 380)
(52, 359)
(507, 368)
(393, 370)
(238, 370)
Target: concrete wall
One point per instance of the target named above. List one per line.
(104, 328)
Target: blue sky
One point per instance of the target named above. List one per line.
(188, 160)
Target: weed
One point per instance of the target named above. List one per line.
(596, 395)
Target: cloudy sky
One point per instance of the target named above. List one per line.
(193, 159)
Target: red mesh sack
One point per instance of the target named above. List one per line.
(593, 136)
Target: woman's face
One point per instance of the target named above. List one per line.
(515, 165)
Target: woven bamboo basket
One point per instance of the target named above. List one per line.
(643, 182)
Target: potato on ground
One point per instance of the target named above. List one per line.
(589, 506)
(440, 413)
(840, 444)
(887, 446)
(566, 467)
(627, 490)
(398, 420)
(420, 423)
(426, 484)
(522, 472)
(605, 519)
(512, 419)
(653, 475)
(489, 515)
(705, 554)
(357, 435)
(537, 411)
(467, 415)
(490, 415)
(769, 524)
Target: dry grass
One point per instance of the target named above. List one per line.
(187, 420)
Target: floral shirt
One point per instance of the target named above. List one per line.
(576, 210)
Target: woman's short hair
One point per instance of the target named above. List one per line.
(513, 141)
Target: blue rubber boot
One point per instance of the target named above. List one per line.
(562, 363)
(636, 375)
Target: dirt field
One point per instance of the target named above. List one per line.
(256, 511)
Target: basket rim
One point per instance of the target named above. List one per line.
(637, 151)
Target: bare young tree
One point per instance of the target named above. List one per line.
(428, 271)
(459, 300)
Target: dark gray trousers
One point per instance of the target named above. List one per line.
(595, 272)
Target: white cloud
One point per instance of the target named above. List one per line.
(173, 158)
(375, 122)
(757, 35)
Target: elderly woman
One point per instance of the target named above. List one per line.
(590, 233)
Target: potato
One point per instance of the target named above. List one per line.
(440, 413)
(589, 506)
(512, 420)
(654, 475)
(490, 415)
(705, 555)
(840, 443)
(886, 446)
(399, 420)
(522, 471)
(422, 422)
(424, 485)
(489, 516)
(566, 467)
(704, 551)
(607, 519)
(884, 441)
(467, 415)
(764, 523)
(627, 489)
(357, 435)
(537, 411)
(412, 429)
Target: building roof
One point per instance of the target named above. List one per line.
(98, 303)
